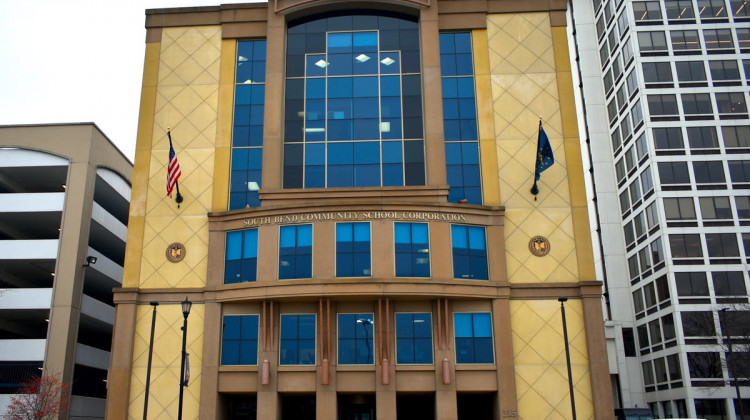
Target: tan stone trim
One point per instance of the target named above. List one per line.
(120, 367)
(153, 35)
(504, 359)
(462, 21)
(601, 389)
(243, 30)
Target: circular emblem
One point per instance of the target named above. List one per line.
(539, 246)
(175, 252)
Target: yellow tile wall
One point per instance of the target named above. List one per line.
(187, 101)
(541, 370)
(165, 367)
(524, 87)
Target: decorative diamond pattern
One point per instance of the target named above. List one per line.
(540, 366)
(524, 87)
(187, 102)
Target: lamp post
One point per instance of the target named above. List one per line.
(150, 357)
(731, 362)
(186, 305)
(562, 301)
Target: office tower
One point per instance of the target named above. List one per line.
(356, 233)
(665, 89)
(65, 190)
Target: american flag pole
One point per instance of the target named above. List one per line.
(178, 197)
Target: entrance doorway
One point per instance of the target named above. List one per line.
(475, 406)
(297, 406)
(356, 406)
(415, 406)
(241, 406)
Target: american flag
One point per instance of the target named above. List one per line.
(173, 169)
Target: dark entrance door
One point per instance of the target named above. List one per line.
(475, 406)
(356, 406)
(297, 406)
(411, 406)
(241, 406)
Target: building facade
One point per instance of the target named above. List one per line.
(665, 87)
(357, 234)
(65, 190)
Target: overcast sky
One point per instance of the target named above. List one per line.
(76, 61)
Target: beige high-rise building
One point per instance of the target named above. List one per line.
(357, 236)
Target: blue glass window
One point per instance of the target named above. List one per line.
(295, 252)
(353, 250)
(412, 250)
(247, 135)
(460, 118)
(355, 339)
(353, 103)
(469, 252)
(297, 345)
(241, 263)
(239, 340)
(414, 338)
(473, 333)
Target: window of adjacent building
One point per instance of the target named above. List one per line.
(647, 181)
(657, 72)
(620, 170)
(635, 192)
(724, 70)
(698, 323)
(739, 8)
(668, 138)
(412, 244)
(247, 133)
(624, 201)
(460, 118)
(616, 140)
(616, 68)
(636, 112)
(622, 24)
(353, 250)
(627, 51)
(679, 208)
(295, 252)
(626, 130)
(696, 104)
(239, 340)
(729, 283)
(704, 365)
(679, 9)
(715, 208)
(646, 10)
(629, 233)
(743, 208)
(297, 342)
(613, 39)
(414, 338)
(718, 39)
(662, 105)
(736, 136)
(353, 103)
(690, 72)
(734, 323)
(667, 322)
(657, 251)
(622, 99)
(648, 373)
(654, 330)
(638, 301)
(722, 245)
(241, 263)
(469, 252)
(731, 103)
(473, 333)
(683, 41)
(641, 146)
(644, 257)
(712, 9)
(702, 137)
(612, 110)
(654, 41)
(662, 288)
(743, 38)
(691, 283)
(632, 82)
(601, 27)
(608, 81)
(633, 267)
(649, 293)
(673, 173)
(709, 172)
(639, 223)
(739, 170)
(685, 246)
(355, 339)
(660, 367)
(651, 216)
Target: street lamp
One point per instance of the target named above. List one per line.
(731, 361)
(186, 305)
(562, 301)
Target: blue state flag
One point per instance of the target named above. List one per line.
(544, 156)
